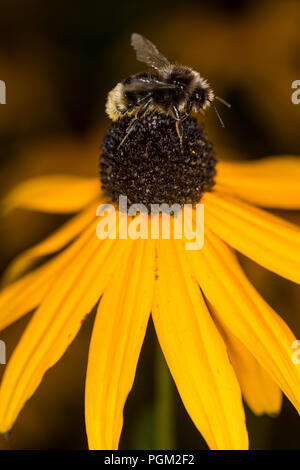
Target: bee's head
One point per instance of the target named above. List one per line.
(201, 97)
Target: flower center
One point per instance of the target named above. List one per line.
(150, 166)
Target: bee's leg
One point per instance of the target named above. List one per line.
(134, 121)
(179, 130)
(189, 107)
(188, 110)
(179, 127)
(129, 129)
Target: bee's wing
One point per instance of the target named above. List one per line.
(146, 52)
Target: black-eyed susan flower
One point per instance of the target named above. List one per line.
(221, 340)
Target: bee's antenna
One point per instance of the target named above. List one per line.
(223, 101)
(218, 115)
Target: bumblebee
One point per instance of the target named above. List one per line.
(172, 90)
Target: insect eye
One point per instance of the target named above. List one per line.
(198, 95)
(179, 84)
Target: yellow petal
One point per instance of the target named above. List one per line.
(54, 193)
(117, 339)
(25, 294)
(239, 306)
(269, 182)
(263, 237)
(55, 242)
(195, 352)
(260, 392)
(74, 293)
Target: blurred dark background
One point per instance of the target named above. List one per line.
(59, 60)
